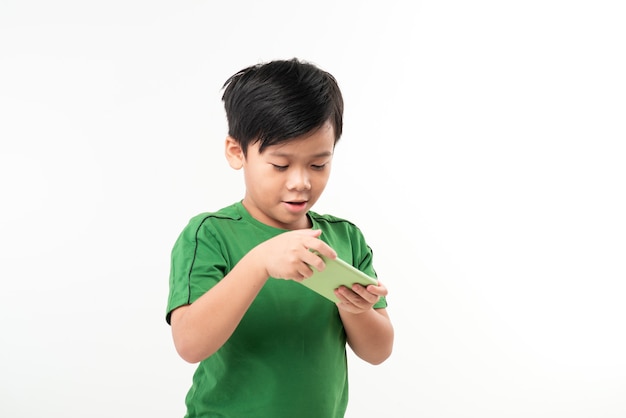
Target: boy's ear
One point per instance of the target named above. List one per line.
(234, 153)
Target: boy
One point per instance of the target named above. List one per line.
(268, 346)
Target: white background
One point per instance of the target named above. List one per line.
(483, 157)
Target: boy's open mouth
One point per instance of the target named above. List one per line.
(296, 204)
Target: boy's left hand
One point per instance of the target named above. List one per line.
(360, 298)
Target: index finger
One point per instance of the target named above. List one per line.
(321, 248)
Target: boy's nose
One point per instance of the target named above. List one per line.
(298, 180)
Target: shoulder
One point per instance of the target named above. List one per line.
(227, 213)
(331, 220)
(337, 225)
(212, 220)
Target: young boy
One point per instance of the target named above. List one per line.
(269, 347)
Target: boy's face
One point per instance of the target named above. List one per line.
(286, 180)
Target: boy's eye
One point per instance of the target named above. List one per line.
(318, 166)
(280, 167)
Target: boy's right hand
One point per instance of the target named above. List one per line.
(291, 255)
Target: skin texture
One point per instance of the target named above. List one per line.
(282, 184)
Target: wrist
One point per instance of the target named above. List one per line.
(255, 261)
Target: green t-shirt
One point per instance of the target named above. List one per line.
(287, 356)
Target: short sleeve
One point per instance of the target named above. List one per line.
(197, 264)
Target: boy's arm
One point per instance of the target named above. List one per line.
(201, 328)
(369, 331)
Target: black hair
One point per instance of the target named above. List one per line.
(278, 100)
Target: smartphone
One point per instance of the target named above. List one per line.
(337, 273)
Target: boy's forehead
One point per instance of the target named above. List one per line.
(317, 143)
(310, 147)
